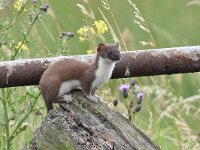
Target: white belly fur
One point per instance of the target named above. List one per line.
(103, 72)
(67, 86)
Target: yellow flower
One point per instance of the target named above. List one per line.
(89, 51)
(82, 39)
(100, 26)
(23, 47)
(83, 31)
(83, 34)
(18, 4)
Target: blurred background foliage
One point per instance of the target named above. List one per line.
(170, 110)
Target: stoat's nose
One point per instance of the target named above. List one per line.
(116, 57)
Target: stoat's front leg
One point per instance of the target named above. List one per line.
(89, 93)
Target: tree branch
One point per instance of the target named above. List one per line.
(84, 125)
(132, 64)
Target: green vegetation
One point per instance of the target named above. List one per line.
(32, 29)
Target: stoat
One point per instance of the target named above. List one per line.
(67, 74)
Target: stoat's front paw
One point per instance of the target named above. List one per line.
(92, 98)
(65, 99)
(99, 99)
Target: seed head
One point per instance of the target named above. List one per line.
(115, 102)
(133, 82)
(44, 7)
(137, 108)
(35, 2)
(130, 105)
(67, 34)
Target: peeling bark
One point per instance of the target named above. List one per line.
(132, 64)
(84, 125)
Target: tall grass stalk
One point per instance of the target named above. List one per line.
(142, 23)
(25, 36)
(107, 5)
(6, 119)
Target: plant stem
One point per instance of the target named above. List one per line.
(90, 42)
(25, 117)
(133, 117)
(27, 33)
(117, 26)
(128, 110)
(7, 122)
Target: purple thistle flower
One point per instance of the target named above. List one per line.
(140, 97)
(124, 87)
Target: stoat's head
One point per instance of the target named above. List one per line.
(109, 52)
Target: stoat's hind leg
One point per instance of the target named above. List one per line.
(49, 89)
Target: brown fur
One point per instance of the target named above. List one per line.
(70, 69)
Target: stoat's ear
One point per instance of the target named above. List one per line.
(101, 47)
